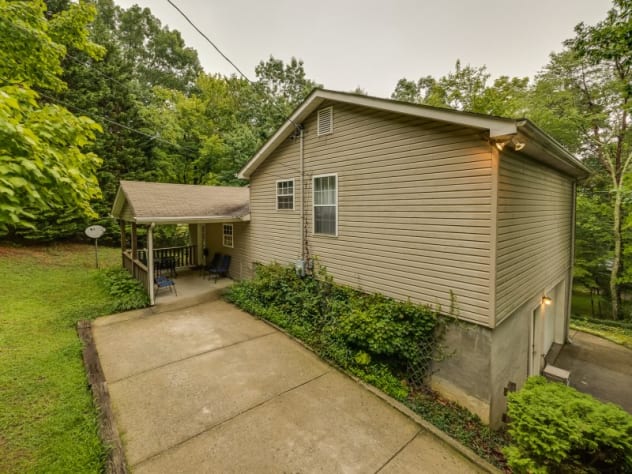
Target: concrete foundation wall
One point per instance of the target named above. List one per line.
(463, 375)
(509, 358)
(481, 362)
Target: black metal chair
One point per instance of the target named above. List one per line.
(215, 261)
(220, 270)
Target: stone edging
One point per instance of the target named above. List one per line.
(115, 460)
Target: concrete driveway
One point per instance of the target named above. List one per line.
(599, 367)
(211, 389)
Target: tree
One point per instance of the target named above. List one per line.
(467, 89)
(281, 88)
(43, 164)
(592, 80)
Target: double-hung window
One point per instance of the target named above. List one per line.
(285, 194)
(325, 190)
(227, 235)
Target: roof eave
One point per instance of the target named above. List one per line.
(190, 219)
(496, 126)
(119, 202)
(548, 150)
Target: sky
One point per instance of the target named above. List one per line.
(373, 43)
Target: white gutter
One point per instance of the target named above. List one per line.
(190, 219)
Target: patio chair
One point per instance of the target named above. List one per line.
(164, 282)
(220, 270)
(215, 261)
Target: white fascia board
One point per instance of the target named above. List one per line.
(497, 126)
(190, 219)
(117, 205)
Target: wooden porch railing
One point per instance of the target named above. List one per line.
(183, 256)
(137, 269)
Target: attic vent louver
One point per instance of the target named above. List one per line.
(325, 121)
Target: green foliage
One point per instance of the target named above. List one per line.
(554, 428)
(43, 162)
(374, 337)
(619, 332)
(385, 327)
(47, 418)
(467, 88)
(460, 424)
(593, 237)
(127, 292)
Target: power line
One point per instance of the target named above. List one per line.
(209, 40)
(277, 106)
(98, 117)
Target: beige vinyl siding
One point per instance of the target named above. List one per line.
(127, 213)
(534, 231)
(414, 207)
(275, 234)
(239, 264)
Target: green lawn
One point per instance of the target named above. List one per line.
(47, 420)
(585, 316)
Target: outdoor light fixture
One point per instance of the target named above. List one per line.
(500, 145)
(518, 144)
(546, 300)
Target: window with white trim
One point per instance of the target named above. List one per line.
(285, 194)
(325, 121)
(325, 198)
(227, 235)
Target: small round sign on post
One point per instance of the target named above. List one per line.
(94, 232)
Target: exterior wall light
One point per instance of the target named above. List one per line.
(518, 144)
(514, 142)
(546, 300)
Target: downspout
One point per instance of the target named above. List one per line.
(569, 289)
(302, 186)
(150, 262)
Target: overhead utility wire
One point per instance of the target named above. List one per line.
(184, 15)
(105, 119)
(208, 39)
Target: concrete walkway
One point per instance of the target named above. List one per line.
(599, 367)
(211, 389)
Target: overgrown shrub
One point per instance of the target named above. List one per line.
(374, 337)
(554, 428)
(128, 292)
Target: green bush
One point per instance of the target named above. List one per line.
(374, 337)
(128, 292)
(554, 428)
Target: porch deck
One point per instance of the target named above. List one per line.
(192, 289)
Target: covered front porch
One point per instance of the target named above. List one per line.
(206, 210)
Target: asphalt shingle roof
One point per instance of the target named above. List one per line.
(166, 200)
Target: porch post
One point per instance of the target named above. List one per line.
(123, 240)
(134, 242)
(150, 263)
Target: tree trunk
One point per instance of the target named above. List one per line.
(616, 259)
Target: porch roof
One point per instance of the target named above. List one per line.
(166, 203)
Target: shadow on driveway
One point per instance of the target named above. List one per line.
(211, 389)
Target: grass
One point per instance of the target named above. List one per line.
(47, 420)
(583, 319)
(620, 333)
